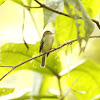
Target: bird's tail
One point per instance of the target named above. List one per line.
(43, 61)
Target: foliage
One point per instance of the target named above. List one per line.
(78, 81)
(2, 1)
(49, 15)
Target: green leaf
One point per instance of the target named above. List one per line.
(22, 80)
(97, 97)
(24, 97)
(92, 7)
(36, 97)
(65, 29)
(5, 91)
(18, 1)
(23, 2)
(29, 2)
(49, 83)
(2, 1)
(86, 24)
(13, 54)
(66, 71)
(85, 78)
(93, 49)
(49, 15)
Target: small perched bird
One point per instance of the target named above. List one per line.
(45, 45)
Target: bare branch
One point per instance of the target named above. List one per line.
(96, 22)
(31, 7)
(39, 97)
(51, 9)
(23, 25)
(59, 12)
(5, 66)
(52, 50)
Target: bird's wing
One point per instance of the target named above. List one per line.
(41, 45)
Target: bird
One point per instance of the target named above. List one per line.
(46, 45)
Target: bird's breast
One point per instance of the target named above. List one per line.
(48, 42)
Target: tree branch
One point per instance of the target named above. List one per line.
(51, 9)
(37, 97)
(23, 26)
(96, 22)
(59, 12)
(52, 50)
(5, 66)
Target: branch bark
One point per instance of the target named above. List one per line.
(37, 97)
(52, 50)
(59, 12)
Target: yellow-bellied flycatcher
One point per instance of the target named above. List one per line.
(46, 44)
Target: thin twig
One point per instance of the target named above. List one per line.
(31, 7)
(23, 25)
(5, 66)
(59, 12)
(96, 22)
(52, 50)
(51, 9)
(37, 97)
(56, 11)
